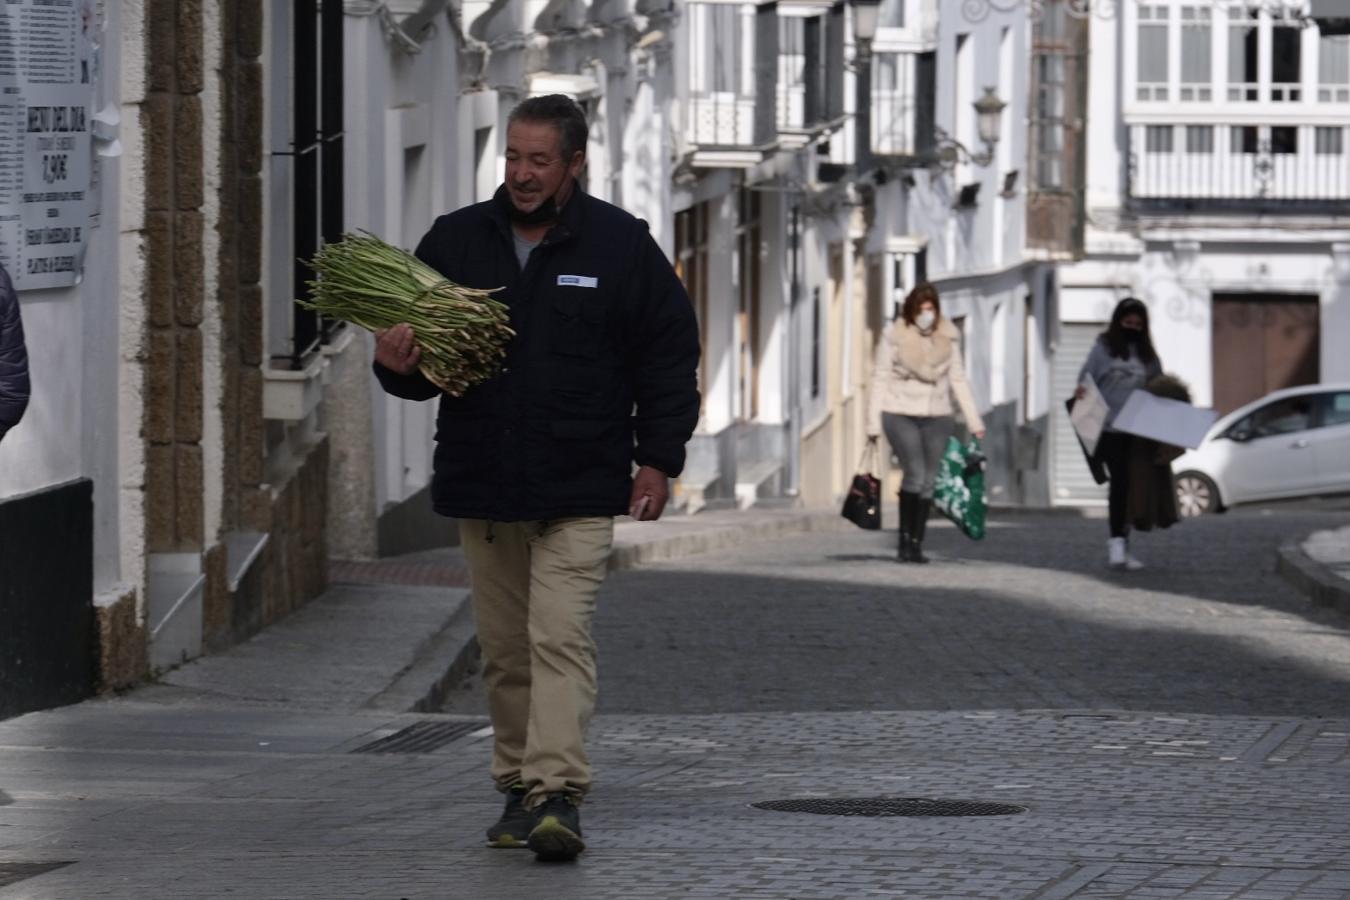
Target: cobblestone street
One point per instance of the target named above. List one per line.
(1179, 732)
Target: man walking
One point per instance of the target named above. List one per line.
(537, 461)
(13, 358)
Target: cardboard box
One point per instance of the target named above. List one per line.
(1168, 421)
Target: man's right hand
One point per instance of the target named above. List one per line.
(396, 350)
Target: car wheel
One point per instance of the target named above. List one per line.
(1196, 495)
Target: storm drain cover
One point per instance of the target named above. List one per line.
(421, 737)
(892, 806)
(14, 872)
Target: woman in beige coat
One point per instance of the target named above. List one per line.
(918, 370)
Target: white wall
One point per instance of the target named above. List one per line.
(70, 429)
(988, 237)
(407, 140)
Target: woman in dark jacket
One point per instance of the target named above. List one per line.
(13, 358)
(1121, 361)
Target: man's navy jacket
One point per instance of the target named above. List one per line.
(602, 372)
(13, 358)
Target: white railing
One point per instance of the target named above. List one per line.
(1239, 166)
(721, 120)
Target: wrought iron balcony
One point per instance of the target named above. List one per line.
(1289, 168)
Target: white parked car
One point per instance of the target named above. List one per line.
(1290, 443)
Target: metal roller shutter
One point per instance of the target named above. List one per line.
(1071, 482)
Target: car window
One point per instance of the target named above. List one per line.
(1336, 409)
(1280, 417)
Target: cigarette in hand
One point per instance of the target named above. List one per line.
(640, 507)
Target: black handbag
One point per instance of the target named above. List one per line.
(862, 506)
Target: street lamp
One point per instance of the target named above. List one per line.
(864, 31)
(989, 126)
(989, 116)
(865, 14)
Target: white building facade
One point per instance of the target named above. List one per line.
(1216, 188)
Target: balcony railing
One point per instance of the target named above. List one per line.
(1191, 167)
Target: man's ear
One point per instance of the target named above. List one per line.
(578, 163)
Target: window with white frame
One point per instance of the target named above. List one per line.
(1286, 62)
(1243, 42)
(1333, 68)
(1243, 139)
(1151, 72)
(791, 72)
(715, 48)
(1049, 131)
(1158, 139)
(1329, 141)
(891, 14)
(1199, 138)
(1197, 38)
(1284, 139)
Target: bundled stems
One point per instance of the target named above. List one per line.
(461, 331)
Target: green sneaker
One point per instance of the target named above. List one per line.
(557, 832)
(513, 829)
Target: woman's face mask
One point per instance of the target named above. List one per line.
(925, 319)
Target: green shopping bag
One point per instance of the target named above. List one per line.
(959, 492)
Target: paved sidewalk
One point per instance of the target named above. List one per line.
(1319, 565)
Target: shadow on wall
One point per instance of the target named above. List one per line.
(1018, 453)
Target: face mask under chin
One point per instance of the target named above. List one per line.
(546, 211)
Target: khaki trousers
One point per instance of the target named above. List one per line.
(534, 587)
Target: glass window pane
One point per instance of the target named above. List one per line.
(1333, 59)
(1243, 138)
(1158, 139)
(1242, 42)
(725, 22)
(1195, 52)
(1329, 141)
(1199, 139)
(1335, 409)
(891, 14)
(1152, 53)
(1286, 45)
(1281, 417)
(1284, 139)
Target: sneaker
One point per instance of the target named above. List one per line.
(1115, 553)
(513, 829)
(557, 831)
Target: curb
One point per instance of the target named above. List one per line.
(1312, 578)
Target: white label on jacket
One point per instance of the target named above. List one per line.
(586, 281)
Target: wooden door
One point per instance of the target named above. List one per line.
(1261, 343)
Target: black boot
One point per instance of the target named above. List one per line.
(918, 527)
(909, 504)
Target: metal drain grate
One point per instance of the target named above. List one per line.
(14, 872)
(421, 737)
(892, 806)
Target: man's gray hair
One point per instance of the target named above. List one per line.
(560, 111)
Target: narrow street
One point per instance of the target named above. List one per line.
(1030, 618)
(1179, 732)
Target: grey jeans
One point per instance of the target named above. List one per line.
(918, 442)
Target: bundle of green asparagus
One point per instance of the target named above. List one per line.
(461, 331)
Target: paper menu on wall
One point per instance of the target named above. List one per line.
(1089, 415)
